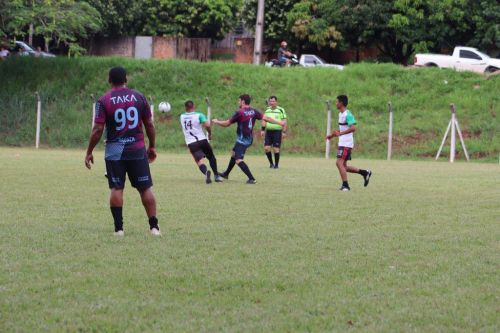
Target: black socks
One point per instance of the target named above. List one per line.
(213, 164)
(276, 159)
(153, 223)
(269, 157)
(245, 169)
(117, 217)
(230, 167)
(345, 184)
(363, 172)
(203, 169)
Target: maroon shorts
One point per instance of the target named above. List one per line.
(344, 153)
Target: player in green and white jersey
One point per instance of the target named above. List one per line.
(193, 124)
(273, 132)
(347, 126)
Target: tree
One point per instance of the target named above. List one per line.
(63, 21)
(275, 18)
(486, 25)
(188, 18)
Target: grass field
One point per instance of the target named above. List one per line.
(418, 250)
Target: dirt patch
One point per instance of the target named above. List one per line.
(226, 78)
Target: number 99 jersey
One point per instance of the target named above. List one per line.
(123, 110)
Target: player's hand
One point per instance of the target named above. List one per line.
(215, 121)
(151, 154)
(209, 136)
(262, 134)
(89, 160)
(336, 133)
(283, 134)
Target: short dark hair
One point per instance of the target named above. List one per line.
(343, 99)
(189, 104)
(117, 76)
(246, 98)
(271, 97)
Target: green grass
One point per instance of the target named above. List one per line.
(417, 250)
(420, 97)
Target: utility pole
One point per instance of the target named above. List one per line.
(259, 32)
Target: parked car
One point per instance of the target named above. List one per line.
(462, 59)
(23, 49)
(311, 60)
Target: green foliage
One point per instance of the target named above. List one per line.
(420, 97)
(415, 251)
(275, 19)
(63, 21)
(188, 18)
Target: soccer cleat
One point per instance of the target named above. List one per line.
(119, 233)
(345, 189)
(271, 166)
(208, 180)
(251, 181)
(106, 174)
(155, 232)
(367, 177)
(224, 175)
(218, 179)
(276, 167)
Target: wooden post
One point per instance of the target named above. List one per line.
(38, 119)
(389, 138)
(328, 127)
(259, 32)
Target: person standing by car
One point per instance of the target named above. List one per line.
(4, 52)
(273, 132)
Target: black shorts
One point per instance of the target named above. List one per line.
(239, 150)
(201, 149)
(273, 138)
(137, 170)
(344, 153)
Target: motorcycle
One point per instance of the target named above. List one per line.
(294, 61)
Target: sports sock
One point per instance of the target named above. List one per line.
(213, 164)
(230, 166)
(153, 223)
(203, 169)
(117, 217)
(245, 169)
(345, 184)
(269, 157)
(363, 172)
(276, 159)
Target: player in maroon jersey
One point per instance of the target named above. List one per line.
(123, 111)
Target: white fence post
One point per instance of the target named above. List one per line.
(453, 133)
(152, 107)
(38, 119)
(389, 138)
(93, 109)
(328, 127)
(209, 112)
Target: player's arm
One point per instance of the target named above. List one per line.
(151, 133)
(222, 123)
(95, 136)
(208, 127)
(335, 133)
(263, 127)
(274, 121)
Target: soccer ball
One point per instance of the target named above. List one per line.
(164, 107)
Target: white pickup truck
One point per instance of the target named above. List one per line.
(311, 60)
(462, 59)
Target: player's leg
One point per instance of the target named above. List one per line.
(116, 181)
(277, 145)
(267, 148)
(342, 153)
(140, 178)
(239, 154)
(230, 166)
(366, 174)
(209, 154)
(204, 170)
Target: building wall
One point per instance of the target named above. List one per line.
(243, 50)
(119, 46)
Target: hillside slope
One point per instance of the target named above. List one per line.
(421, 99)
